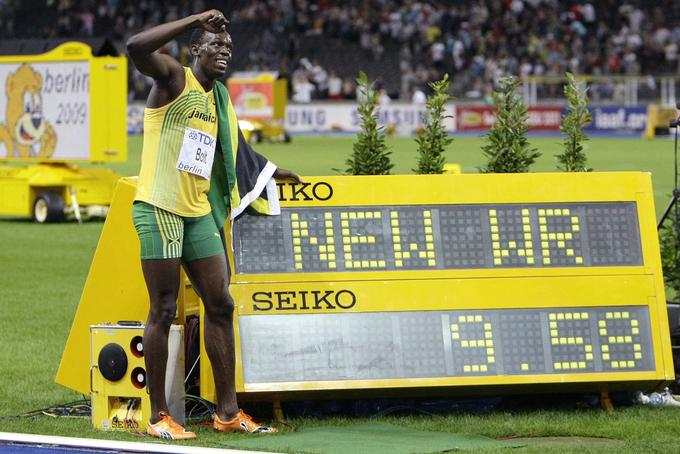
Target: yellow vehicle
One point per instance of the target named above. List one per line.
(62, 108)
(255, 131)
(48, 192)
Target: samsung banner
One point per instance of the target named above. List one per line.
(406, 118)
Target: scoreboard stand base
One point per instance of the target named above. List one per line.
(365, 404)
(597, 389)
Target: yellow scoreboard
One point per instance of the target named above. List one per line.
(451, 281)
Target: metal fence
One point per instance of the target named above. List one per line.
(618, 90)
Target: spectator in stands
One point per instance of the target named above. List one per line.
(418, 97)
(383, 98)
(475, 42)
(320, 80)
(6, 19)
(437, 54)
(349, 89)
(86, 21)
(141, 85)
(334, 86)
(302, 89)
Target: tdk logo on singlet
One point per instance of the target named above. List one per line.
(202, 116)
(202, 138)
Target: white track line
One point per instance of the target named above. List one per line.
(130, 446)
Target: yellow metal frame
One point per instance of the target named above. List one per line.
(108, 126)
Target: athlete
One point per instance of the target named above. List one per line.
(172, 214)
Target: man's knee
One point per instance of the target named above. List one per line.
(163, 310)
(221, 306)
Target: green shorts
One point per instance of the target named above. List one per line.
(164, 235)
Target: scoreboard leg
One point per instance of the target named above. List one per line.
(606, 402)
(278, 411)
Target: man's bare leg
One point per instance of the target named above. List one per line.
(210, 276)
(162, 281)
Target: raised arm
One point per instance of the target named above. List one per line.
(142, 47)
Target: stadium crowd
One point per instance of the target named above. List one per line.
(408, 43)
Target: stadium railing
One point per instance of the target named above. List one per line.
(618, 90)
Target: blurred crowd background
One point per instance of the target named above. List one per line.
(320, 46)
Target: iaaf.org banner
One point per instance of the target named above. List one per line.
(406, 118)
(45, 110)
(481, 118)
(618, 118)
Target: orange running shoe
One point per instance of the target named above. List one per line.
(241, 423)
(168, 429)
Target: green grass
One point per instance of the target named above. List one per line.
(43, 269)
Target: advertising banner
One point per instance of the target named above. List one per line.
(252, 99)
(549, 118)
(618, 118)
(481, 118)
(406, 118)
(45, 110)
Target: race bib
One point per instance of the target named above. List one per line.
(197, 153)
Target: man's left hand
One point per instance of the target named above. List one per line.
(283, 174)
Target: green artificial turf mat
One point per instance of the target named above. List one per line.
(371, 438)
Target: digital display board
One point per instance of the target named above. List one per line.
(445, 344)
(439, 237)
(433, 281)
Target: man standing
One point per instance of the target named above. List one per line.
(190, 127)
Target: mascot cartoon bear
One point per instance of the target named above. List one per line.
(26, 133)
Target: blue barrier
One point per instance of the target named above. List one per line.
(617, 119)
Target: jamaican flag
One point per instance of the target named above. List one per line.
(241, 179)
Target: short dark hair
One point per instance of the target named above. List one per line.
(197, 36)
